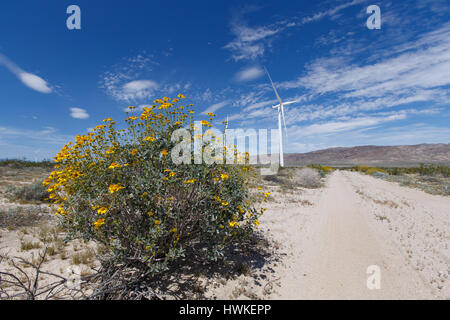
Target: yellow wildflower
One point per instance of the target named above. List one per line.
(206, 123)
(102, 210)
(99, 223)
(114, 165)
(149, 139)
(233, 224)
(115, 187)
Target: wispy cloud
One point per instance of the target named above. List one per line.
(32, 81)
(46, 135)
(138, 89)
(78, 113)
(419, 66)
(131, 81)
(330, 12)
(332, 127)
(250, 43)
(213, 108)
(250, 73)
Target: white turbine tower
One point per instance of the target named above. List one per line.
(280, 108)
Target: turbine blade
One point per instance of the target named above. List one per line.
(273, 86)
(289, 102)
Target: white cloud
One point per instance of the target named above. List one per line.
(47, 135)
(139, 85)
(332, 127)
(419, 67)
(78, 113)
(32, 81)
(250, 73)
(251, 42)
(216, 107)
(259, 105)
(131, 81)
(138, 89)
(395, 135)
(330, 12)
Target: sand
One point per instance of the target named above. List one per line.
(354, 222)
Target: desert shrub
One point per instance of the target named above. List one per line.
(307, 177)
(120, 188)
(323, 170)
(369, 170)
(30, 192)
(20, 217)
(23, 163)
(423, 170)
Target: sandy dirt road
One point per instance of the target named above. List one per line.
(354, 222)
(346, 246)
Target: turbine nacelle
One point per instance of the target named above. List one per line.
(280, 108)
(284, 104)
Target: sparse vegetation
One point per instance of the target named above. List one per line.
(307, 178)
(21, 216)
(34, 192)
(23, 163)
(323, 170)
(85, 257)
(291, 177)
(29, 245)
(434, 179)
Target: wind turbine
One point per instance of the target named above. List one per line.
(280, 108)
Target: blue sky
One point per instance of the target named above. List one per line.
(354, 86)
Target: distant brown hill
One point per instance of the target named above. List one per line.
(408, 155)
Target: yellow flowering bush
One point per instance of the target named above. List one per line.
(120, 187)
